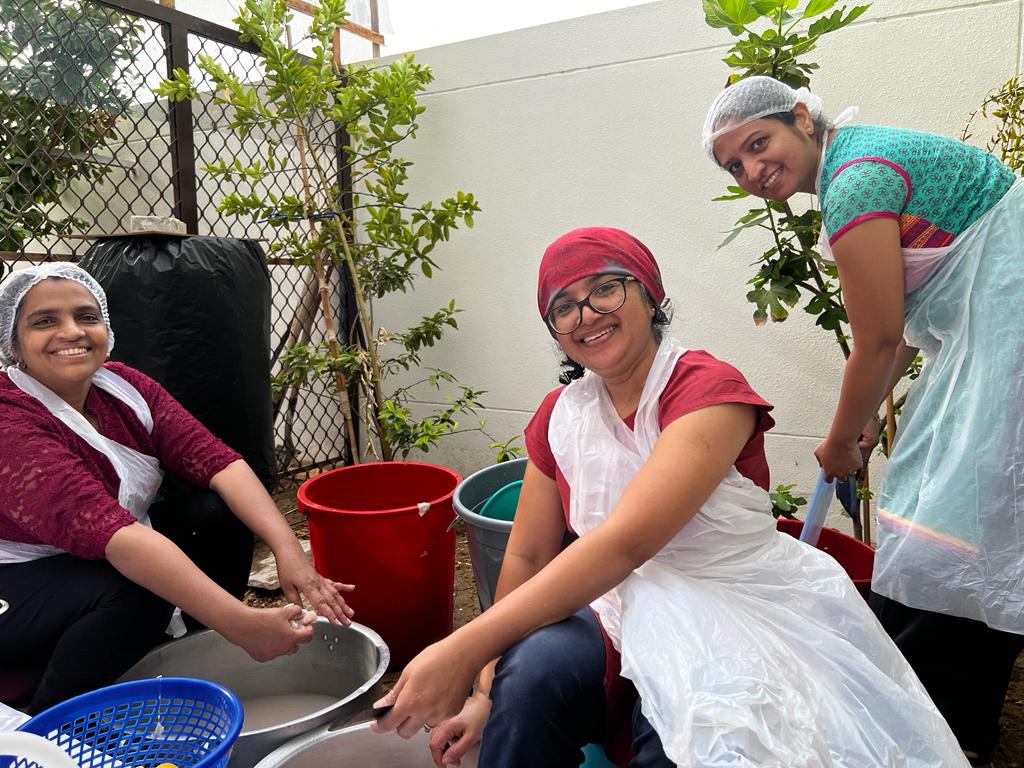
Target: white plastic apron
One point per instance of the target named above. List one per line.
(140, 475)
(746, 646)
(951, 505)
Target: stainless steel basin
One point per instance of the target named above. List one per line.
(345, 663)
(355, 747)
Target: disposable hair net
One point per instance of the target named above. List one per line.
(751, 99)
(14, 288)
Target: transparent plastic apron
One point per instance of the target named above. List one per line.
(140, 475)
(746, 646)
(951, 505)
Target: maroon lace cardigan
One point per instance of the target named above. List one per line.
(55, 489)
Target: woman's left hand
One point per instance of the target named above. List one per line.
(432, 688)
(451, 739)
(299, 579)
(838, 459)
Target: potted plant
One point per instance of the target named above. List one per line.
(381, 523)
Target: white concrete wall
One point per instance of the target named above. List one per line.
(597, 121)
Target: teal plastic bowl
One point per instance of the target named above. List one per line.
(503, 502)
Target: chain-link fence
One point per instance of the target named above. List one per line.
(84, 143)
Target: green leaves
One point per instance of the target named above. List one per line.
(409, 433)
(376, 237)
(177, 87)
(772, 296)
(1006, 105)
(754, 218)
(734, 193)
(777, 49)
(784, 503)
(816, 8)
(734, 15)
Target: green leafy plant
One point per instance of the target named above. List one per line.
(370, 235)
(784, 503)
(62, 88)
(1005, 105)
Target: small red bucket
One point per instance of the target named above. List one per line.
(856, 557)
(366, 528)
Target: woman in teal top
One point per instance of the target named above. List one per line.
(927, 234)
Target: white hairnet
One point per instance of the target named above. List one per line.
(751, 99)
(17, 284)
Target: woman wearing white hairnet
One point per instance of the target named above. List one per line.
(90, 585)
(928, 237)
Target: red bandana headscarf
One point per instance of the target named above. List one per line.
(595, 251)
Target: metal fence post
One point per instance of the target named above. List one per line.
(183, 149)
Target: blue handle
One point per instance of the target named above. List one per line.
(823, 492)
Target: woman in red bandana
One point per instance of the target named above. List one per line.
(679, 615)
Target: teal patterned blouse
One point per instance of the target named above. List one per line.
(935, 187)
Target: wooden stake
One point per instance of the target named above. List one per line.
(866, 508)
(375, 26)
(890, 423)
(355, 29)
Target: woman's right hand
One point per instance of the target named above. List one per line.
(432, 687)
(266, 633)
(454, 737)
(870, 436)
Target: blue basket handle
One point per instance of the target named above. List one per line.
(823, 492)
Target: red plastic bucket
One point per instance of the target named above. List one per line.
(856, 557)
(365, 528)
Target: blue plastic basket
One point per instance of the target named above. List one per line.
(186, 722)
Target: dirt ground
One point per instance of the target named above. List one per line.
(1009, 755)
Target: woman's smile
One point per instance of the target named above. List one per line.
(773, 177)
(72, 352)
(596, 337)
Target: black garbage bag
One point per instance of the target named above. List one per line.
(193, 313)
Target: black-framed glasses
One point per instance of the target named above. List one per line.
(603, 298)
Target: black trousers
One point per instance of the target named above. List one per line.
(82, 624)
(965, 666)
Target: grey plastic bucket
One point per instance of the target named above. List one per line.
(486, 537)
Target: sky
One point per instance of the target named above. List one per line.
(411, 25)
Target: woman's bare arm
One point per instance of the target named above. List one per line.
(690, 459)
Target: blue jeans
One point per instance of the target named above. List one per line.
(548, 701)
